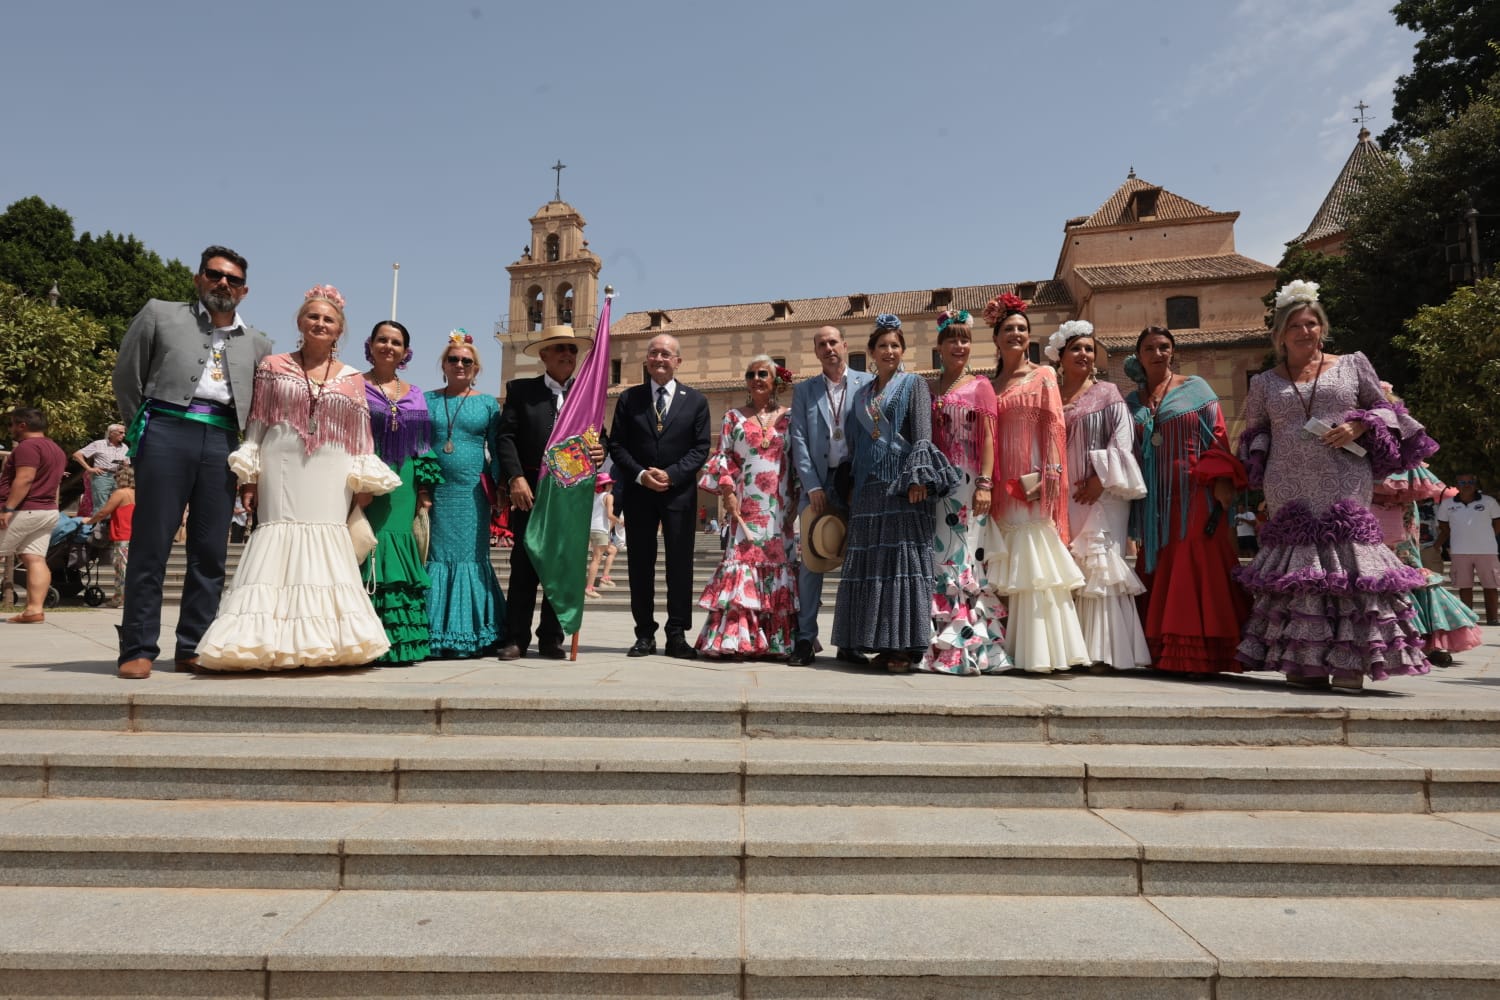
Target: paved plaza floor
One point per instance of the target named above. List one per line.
(74, 652)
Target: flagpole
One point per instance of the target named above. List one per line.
(395, 280)
(609, 294)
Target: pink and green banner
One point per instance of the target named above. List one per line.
(557, 534)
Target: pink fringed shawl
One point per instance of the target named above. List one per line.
(283, 395)
(959, 420)
(1031, 437)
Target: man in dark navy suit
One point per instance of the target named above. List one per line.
(659, 442)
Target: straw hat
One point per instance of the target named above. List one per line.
(823, 540)
(558, 335)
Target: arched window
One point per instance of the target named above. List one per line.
(1182, 312)
(565, 304)
(534, 314)
(554, 248)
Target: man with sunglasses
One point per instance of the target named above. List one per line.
(526, 418)
(183, 380)
(1469, 523)
(659, 442)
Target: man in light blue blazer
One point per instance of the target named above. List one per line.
(821, 453)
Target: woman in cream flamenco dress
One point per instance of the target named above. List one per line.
(297, 599)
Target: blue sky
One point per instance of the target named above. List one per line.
(719, 152)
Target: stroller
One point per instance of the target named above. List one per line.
(73, 555)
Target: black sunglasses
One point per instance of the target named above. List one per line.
(454, 359)
(757, 375)
(566, 348)
(214, 275)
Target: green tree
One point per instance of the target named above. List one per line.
(1395, 259)
(1456, 53)
(1457, 349)
(109, 277)
(59, 359)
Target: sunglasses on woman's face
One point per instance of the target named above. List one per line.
(757, 375)
(454, 359)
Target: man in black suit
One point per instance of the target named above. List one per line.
(526, 419)
(659, 442)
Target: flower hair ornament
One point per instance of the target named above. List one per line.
(887, 321)
(327, 293)
(1003, 305)
(1305, 292)
(460, 336)
(1068, 331)
(784, 377)
(948, 318)
(1135, 371)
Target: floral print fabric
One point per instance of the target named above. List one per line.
(752, 599)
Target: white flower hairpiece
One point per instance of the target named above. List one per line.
(1297, 291)
(1072, 328)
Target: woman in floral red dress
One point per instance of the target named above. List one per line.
(752, 598)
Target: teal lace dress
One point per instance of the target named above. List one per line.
(464, 604)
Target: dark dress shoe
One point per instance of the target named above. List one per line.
(187, 665)
(642, 647)
(552, 650)
(852, 658)
(681, 649)
(802, 654)
(510, 652)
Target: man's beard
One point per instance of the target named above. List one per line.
(216, 302)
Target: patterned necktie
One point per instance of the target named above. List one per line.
(661, 406)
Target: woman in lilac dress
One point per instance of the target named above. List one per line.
(1103, 478)
(402, 429)
(1331, 600)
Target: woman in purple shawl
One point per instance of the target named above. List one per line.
(402, 429)
(1331, 601)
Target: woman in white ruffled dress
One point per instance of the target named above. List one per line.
(1104, 478)
(1029, 562)
(297, 599)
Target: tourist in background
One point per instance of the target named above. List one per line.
(296, 599)
(884, 602)
(401, 427)
(1103, 478)
(1027, 545)
(119, 511)
(967, 634)
(28, 505)
(602, 547)
(751, 599)
(1468, 524)
(1331, 600)
(465, 607)
(101, 460)
(1193, 608)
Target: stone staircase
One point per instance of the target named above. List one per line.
(826, 836)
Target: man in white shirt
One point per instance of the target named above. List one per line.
(101, 459)
(1468, 523)
(820, 412)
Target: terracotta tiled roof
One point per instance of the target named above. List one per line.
(1156, 272)
(835, 308)
(1119, 211)
(1333, 214)
(1248, 337)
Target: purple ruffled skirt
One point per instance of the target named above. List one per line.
(1330, 597)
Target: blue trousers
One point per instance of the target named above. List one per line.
(179, 465)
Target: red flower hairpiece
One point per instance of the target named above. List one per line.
(784, 376)
(1006, 302)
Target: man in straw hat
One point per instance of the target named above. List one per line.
(820, 411)
(526, 418)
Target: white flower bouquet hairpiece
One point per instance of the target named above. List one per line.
(1296, 291)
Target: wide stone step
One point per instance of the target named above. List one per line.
(762, 849)
(318, 943)
(401, 767)
(531, 699)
